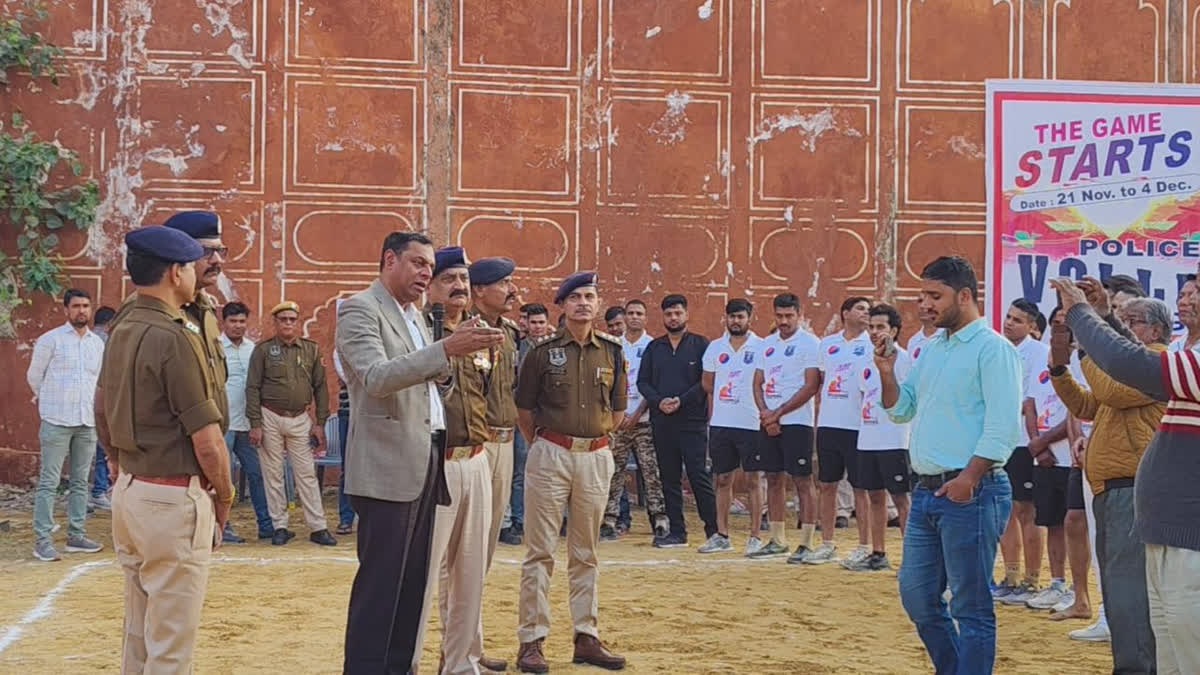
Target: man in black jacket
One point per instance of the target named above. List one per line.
(669, 380)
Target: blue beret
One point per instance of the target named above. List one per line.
(196, 224)
(491, 270)
(164, 243)
(449, 257)
(577, 280)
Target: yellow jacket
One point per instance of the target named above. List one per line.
(1124, 421)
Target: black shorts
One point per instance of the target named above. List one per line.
(729, 448)
(837, 455)
(884, 470)
(1050, 495)
(1020, 474)
(791, 451)
(1075, 490)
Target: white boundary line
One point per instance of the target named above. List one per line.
(45, 607)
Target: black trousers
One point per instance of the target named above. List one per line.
(679, 448)
(394, 546)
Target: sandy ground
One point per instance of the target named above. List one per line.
(283, 610)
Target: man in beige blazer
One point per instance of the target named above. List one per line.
(394, 467)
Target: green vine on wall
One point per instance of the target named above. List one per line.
(34, 211)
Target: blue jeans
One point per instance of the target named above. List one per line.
(516, 503)
(953, 544)
(345, 510)
(101, 484)
(247, 456)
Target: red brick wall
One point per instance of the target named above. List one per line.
(719, 148)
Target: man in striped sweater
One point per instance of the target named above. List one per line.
(1167, 485)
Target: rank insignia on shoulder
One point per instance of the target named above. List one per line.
(192, 327)
(605, 336)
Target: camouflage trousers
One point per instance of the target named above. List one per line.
(639, 440)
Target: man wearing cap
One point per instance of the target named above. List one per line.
(161, 424)
(287, 374)
(570, 394)
(458, 560)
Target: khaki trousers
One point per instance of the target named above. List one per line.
(458, 559)
(556, 478)
(163, 536)
(290, 434)
(1173, 587)
(500, 461)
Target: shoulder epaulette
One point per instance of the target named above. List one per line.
(510, 323)
(605, 336)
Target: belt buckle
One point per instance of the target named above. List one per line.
(581, 444)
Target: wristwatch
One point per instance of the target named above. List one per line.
(1058, 371)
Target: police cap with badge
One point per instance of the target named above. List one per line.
(164, 243)
(196, 224)
(491, 270)
(449, 258)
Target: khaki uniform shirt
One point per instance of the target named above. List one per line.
(571, 388)
(202, 312)
(466, 403)
(159, 389)
(286, 378)
(502, 406)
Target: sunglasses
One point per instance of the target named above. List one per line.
(210, 251)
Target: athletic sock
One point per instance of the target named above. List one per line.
(806, 534)
(1032, 579)
(1012, 574)
(777, 532)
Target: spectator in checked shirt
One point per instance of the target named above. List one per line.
(62, 375)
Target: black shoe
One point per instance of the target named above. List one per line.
(842, 522)
(764, 524)
(671, 541)
(268, 534)
(894, 522)
(607, 533)
(322, 538)
(231, 537)
(509, 536)
(282, 536)
(518, 529)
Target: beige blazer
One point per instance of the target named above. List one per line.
(386, 376)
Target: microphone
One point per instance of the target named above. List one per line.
(437, 312)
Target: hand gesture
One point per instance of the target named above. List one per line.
(221, 511)
(959, 490)
(472, 337)
(627, 423)
(322, 445)
(1060, 345)
(885, 352)
(1069, 294)
(773, 429)
(1046, 458)
(256, 437)
(1096, 296)
(1079, 450)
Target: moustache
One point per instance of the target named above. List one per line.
(511, 297)
(458, 294)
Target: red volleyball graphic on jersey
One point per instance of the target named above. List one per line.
(917, 353)
(770, 351)
(1044, 377)
(867, 374)
(837, 387)
(723, 358)
(834, 349)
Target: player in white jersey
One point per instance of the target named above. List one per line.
(785, 383)
(883, 467)
(1023, 320)
(729, 366)
(928, 331)
(842, 357)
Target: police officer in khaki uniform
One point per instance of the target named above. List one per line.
(458, 560)
(495, 295)
(570, 395)
(205, 228)
(157, 414)
(286, 374)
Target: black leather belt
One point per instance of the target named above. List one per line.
(1117, 483)
(934, 481)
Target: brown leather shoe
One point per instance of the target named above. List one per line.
(498, 665)
(591, 650)
(530, 659)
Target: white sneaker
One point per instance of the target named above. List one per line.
(101, 502)
(825, 553)
(857, 556)
(1020, 595)
(716, 544)
(1067, 603)
(753, 545)
(1097, 632)
(1050, 596)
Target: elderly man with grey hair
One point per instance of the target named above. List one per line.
(1125, 420)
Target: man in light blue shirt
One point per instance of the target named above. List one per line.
(963, 398)
(238, 348)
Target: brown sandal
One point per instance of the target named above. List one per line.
(345, 529)
(1071, 613)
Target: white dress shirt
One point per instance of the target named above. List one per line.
(237, 357)
(63, 374)
(437, 412)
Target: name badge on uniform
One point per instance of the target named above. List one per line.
(274, 351)
(558, 356)
(192, 327)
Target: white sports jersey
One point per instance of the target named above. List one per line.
(917, 342)
(841, 363)
(783, 364)
(1050, 411)
(1034, 357)
(878, 431)
(733, 382)
(633, 360)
